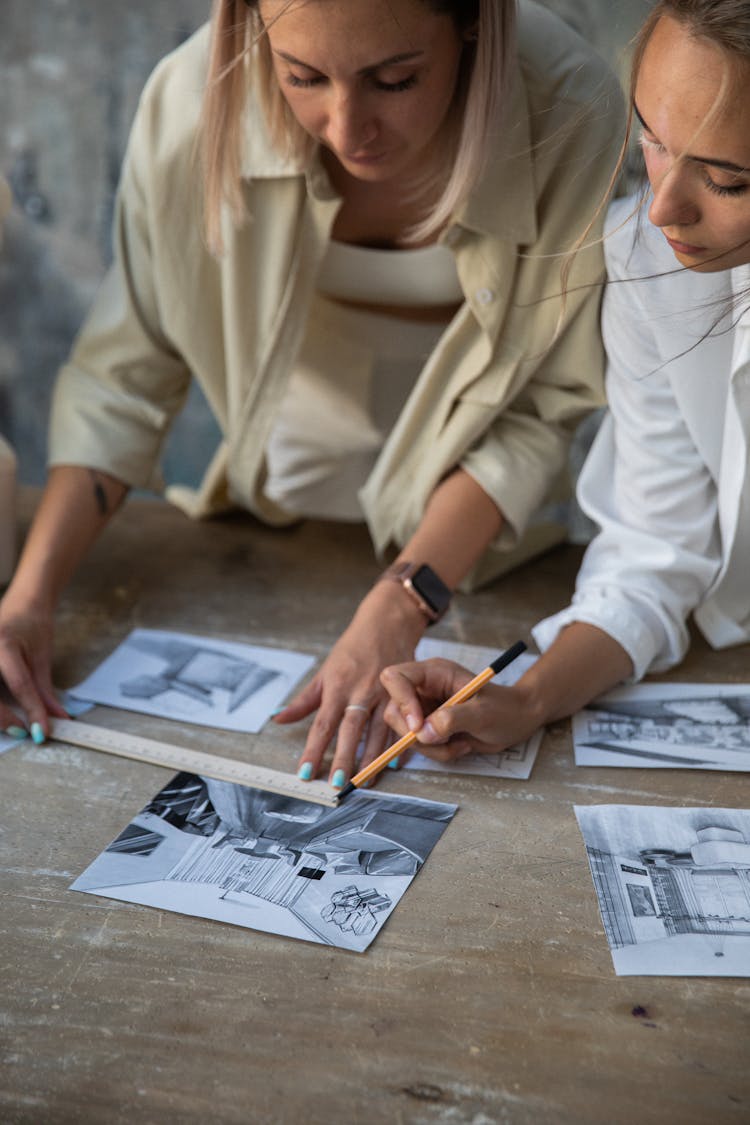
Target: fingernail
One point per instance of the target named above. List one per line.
(304, 773)
(16, 732)
(393, 764)
(276, 712)
(338, 779)
(428, 733)
(412, 722)
(37, 733)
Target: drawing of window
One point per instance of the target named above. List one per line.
(641, 902)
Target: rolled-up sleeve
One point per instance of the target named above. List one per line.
(115, 398)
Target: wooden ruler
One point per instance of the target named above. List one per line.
(127, 745)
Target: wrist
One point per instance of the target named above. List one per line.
(388, 604)
(421, 585)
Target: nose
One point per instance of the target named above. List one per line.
(350, 128)
(674, 201)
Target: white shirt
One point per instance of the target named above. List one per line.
(667, 479)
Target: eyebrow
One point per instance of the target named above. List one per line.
(725, 165)
(393, 60)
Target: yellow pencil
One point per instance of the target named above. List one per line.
(409, 739)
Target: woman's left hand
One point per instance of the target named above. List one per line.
(346, 693)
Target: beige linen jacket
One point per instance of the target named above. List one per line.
(501, 393)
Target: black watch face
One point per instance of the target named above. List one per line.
(430, 587)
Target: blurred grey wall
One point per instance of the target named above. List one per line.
(70, 75)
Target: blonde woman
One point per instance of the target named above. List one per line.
(357, 280)
(668, 478)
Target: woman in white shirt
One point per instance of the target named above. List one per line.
(667, 479)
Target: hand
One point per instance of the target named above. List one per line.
(25, 666)
(346, 693)
(492, 720)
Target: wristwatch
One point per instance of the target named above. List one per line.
(425, 588)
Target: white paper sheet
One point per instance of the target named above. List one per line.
(673, 888)
(201, 680)
(515, 762)
(216, 850)
(667, 726)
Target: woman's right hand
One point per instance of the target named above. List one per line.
(494, 719)
(26, 636)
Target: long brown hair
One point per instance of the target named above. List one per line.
(240, 56)
(725, 23)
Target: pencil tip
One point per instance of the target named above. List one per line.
(346, 791)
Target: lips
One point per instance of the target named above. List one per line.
(685, 247)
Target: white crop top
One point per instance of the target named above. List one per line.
(420, 278)
(355, 371)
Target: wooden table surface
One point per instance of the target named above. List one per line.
(490, 994)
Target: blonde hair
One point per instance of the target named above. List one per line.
(240, 56)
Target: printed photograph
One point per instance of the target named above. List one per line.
(673, 887)
(252, 858)
(213, 683)
(667, 726)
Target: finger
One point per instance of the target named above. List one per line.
(47, 691)
(378, 737)
(395, 720)
(352, 728)
(330, 717)
(20, 683)
(11, 723)
(304, 703)
(404, 707)
(451, 752)
(446, 722)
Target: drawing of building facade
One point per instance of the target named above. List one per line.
(661, 893)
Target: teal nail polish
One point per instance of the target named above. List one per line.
(338, 779)
(37, 733)
(276, 712)
(304, 773)
(393, 764)
(17, 732)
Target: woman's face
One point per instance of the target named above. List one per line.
(371, 80)
(696, 144)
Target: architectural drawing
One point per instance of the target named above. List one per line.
(673, 887)
(515, 762)
(218, 850)
(214, 683)
(698, 726)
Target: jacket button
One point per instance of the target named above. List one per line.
(484, 296)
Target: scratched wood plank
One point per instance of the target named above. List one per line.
(488, 997)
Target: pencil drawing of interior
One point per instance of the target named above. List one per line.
(247, 856)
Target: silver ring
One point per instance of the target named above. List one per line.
(357, 707)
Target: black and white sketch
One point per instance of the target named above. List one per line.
(198, 680)
(515, 762)
(277, 864)
(672, 726)
(673, 888)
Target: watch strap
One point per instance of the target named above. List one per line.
(420, 583)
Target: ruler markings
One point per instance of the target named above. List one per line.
(139, 749)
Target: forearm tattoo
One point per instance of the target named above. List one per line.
(103, 504)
